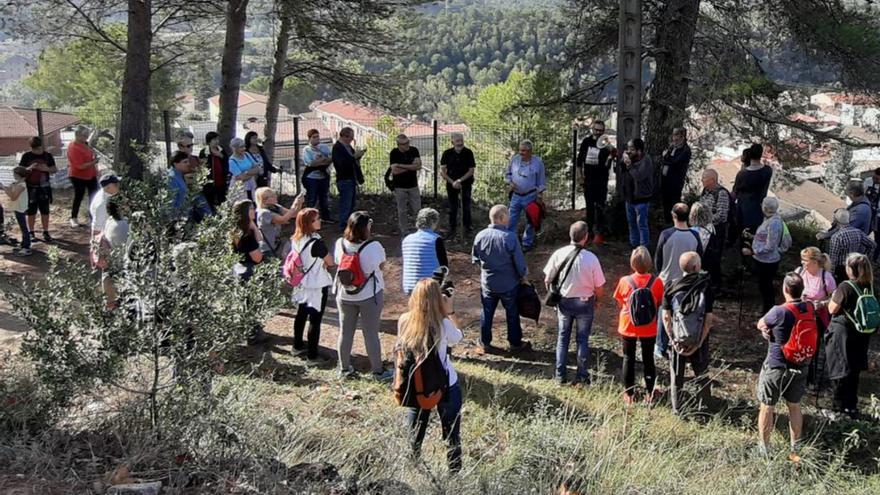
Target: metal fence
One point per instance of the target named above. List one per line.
(492, 146)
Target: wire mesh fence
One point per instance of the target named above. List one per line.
(374, 132)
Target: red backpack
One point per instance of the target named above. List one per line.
(801, 345)
(292, 270)
(350, 274)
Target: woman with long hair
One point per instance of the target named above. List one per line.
(362, 304)
(217, 160)
(245, 236)
(258, 154)
(846, 348)
(311, 293)
(424, 326)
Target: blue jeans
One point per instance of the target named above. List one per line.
(662, 345)
(21, 218)
(637, 218)
(318, 193)
(449, 410)
(490, 303)
(347, 198)
(517, 207)
(569, 311)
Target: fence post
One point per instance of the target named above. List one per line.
(166, 121)
(296, 152)
(40, 131)
(574, 158)
(436, 158)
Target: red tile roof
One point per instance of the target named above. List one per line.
(22, 122)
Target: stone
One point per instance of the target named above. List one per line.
(151, 488)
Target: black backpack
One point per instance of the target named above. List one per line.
(642, 307)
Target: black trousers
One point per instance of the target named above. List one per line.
(629, 362)
(670, 194)
(714, 252)
(595, 201)
(313, 316)
(845, 395)
(765, 273)
(465, 196)
(80, 186)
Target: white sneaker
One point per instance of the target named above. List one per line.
(23, 252)
(73, 223)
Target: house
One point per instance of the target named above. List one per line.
(250, 105)
(17, 125)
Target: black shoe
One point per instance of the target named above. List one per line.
(523, 346)
(34, 237)
(47, 238)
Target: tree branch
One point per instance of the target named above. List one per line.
(103, 34)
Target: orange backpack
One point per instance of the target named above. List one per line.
(419, 381)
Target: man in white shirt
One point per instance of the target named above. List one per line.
(576, 274)
(98, 207)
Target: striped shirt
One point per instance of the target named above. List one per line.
(848, 240)
(718, 201)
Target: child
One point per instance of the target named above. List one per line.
(18, 195)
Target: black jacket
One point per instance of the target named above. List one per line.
(596, 176)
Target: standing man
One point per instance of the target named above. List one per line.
(41, 165)
(872, 192)
(83, 171)
(405, 162)
(579, 279)
(675, 162)
(316, 176)
(778, 377)
(346, 162)
(502, 269)
(861, 213)
(592, 170)
(457, 165)
(845, 241)
(715, 197)
(637, 179)
(673, 243)
(526, 182)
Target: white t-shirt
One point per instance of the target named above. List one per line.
(371, 257)
(585, 276)
(115, 232)
(450, 335)
(98, 210)
(21, 204)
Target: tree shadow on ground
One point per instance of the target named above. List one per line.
(257, 361)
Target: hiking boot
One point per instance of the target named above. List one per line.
(298, 352)
(47, 238)
(317, 361)
(628, 399)
(581, 382)
(484, 349)
(523, 346)
(384, 376)
(561, 381)
(349, 374)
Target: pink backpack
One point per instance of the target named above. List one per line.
(293, 271)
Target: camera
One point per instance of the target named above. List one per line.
(446, 285)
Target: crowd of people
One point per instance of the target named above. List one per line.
(665, 303)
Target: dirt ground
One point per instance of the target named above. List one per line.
(737, 347)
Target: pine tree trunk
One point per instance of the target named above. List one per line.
(276, 84)
(230, 72)
(134, 122)
(667, 101)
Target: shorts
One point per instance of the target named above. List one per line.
(39, 199)
(790, 383)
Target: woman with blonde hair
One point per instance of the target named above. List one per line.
(819, 284)
(643, 333)
(311, 293)
(424, 326)
(846, 348)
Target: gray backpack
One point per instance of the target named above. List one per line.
(687, 319)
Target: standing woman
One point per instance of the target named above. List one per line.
(631, 334)
(364, 304)
(846, 349)
(819, 284)
(246, 236)
(764, 251)
(271, 216)
(258, 153)
(244, 171)
(82, 171)
(425, 325)
(217, 161)
(701, 222)
(311, 293)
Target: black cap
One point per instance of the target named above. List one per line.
(108, 179)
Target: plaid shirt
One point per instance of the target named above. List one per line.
(848, 240)
(718, 201)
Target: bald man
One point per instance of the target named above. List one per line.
(683, 297)
(717, 199)
(502, 268)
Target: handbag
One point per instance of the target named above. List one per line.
(528, 303)
(554, 296)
